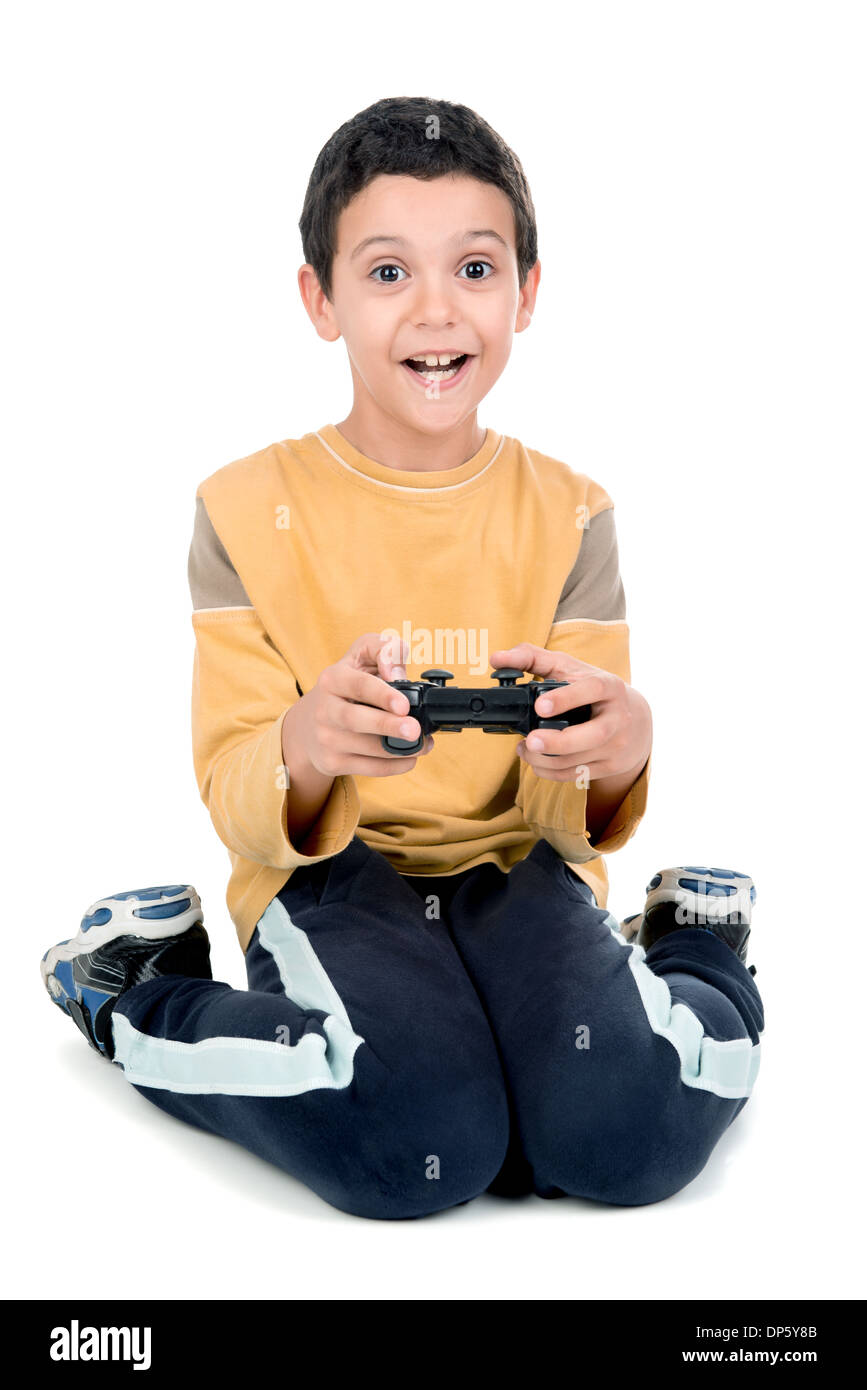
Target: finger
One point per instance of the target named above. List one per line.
(364, 654)
(365, 756)
(579, 773)
(366, 744)
(362, 717)
(365, 650)
(540, 662)
(580, 742)
(559, 762)
(387, 766)
(524, 655)
(589, 689)
(544, 763)
(365, 688)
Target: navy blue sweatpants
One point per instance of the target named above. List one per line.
(406, 1044)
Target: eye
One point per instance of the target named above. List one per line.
(391, 280)
(387, 267)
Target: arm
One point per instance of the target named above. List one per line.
(263, 803)
(308, 788)
(590, 625)
(604, 796)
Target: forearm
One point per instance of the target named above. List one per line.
(604, 795)
(308, 789)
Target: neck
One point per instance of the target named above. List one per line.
(396, 445)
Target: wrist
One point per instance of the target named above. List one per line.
(287, 737)
(295, 756)
(631, 775)
(307, 789)
(643, 720)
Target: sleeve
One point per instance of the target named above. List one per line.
(590, 624)
(242, 688)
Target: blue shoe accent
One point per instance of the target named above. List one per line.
(96, 919)
(709, 899)
(149, 895)
(709, 889)
(160, 910)
(63, 973)
(123, 941)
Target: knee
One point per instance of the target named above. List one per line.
(398, 1143)
(424, 1148)
(639, 1140)
(631, 1170)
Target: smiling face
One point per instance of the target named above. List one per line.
(423, 268)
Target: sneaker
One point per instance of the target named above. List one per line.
(715, 900)
(123, 940)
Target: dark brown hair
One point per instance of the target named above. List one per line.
(393, 136)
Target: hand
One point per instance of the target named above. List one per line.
(338, 723)
(615, 741)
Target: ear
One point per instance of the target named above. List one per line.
(527, 298)
(319, 308)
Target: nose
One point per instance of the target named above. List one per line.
(433, 304)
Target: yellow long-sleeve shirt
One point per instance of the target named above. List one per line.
(300, 548)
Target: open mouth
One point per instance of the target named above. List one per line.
(438, 373)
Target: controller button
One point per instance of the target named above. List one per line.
(507, 675)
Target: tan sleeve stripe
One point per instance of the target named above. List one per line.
(594, 588)
(214, 582)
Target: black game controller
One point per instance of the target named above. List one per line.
(504, 709)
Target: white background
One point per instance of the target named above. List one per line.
(697, 347)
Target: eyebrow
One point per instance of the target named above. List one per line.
(402, 241)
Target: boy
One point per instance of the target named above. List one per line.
(439, 1003)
